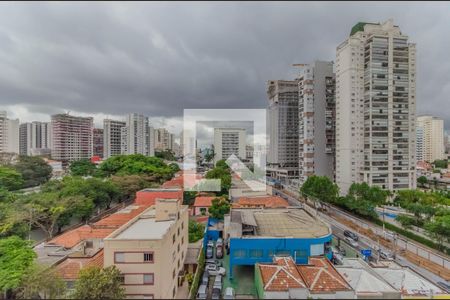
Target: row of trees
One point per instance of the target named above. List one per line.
(23, 278)
(28, 171)
(429, 210)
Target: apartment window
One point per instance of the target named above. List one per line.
(178, 247)
(182, 225)
(173, 239)
(173, 274)
(182, 240)
(119, 257)
(148, 257)
(148, 278)
(178, 231)
(122, 278)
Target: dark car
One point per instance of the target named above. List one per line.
(209, 252)
(350, 234)
(215, 293)
(219, 252)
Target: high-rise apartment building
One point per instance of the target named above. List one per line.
(98, 142)
(137, 136)
(419, 143)
(163, 139)
(111, 137)
(9, 134)
(35, 137)
(317, 116)
(228, 141)
(188, 144)
(72, 137)
(282, 121)
(375, 108)
(433, 137)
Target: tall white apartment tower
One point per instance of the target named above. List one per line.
(136, 137)
(419, 144)
(317, 116)
(35, 136)
(9, 134)
(375, 108)
(112, 137)
(228, 141)
(433, 137)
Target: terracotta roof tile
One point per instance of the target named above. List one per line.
(266, 201)
(281, 276)
(203, 201)
(321, 276)
(73, 237)
(70, 267)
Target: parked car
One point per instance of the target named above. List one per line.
(341, 250)
(352, 242)
(219, 242)
(209, 252)
(210, 243)
(229, 293)
(215, 293)
(201, 294)
(386, 255)
(219, 252)
(350, 234)
(205, 278)
(212, 261)
(215, 270)
(444, 285)
(218, 281)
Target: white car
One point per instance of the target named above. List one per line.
(229, 293)
(352, 242)
(215, 270)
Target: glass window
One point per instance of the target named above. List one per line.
(119, 257)
(148, 256)
(148, 278)
(256, 253)
(239, 253)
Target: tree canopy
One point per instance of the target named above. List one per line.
(321, 188)
(196, 231)
(220, 207)
(41, 282)
(422, 180)
(98, 283)
(10, 179)
(16, 255)
(165, 154)
(83, 167)
(223, 173)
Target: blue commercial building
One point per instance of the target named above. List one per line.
(256, 235)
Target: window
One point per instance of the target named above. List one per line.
(122, 278)
(173, 239)
(178, 248)
(148, 278)
(173, 274)
(178, 231)
(148, 257)
(119, 257)
(182, 240)
(256, 253)
(182, 225)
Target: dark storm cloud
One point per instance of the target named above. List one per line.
(159, 58)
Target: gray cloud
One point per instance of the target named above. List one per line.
(159, 58)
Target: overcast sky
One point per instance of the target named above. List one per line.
(108, 59)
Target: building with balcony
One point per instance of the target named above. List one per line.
(376, 108)
(111, 137)
(9, 134)
(137, 136)
(432, 141)
(35, 137)
(228, 141)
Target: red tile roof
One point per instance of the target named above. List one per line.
(70, 267)
(265, 201)
(281, 276)
(73, 237)
(321, 276)
(119, 218)
(148, 197)
(203, 201)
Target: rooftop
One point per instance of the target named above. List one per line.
(203, 201)
(70, 267)
(287, 222)
(281, 275)
(321, 276)
(261, 201)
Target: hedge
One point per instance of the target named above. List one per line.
(198, 274)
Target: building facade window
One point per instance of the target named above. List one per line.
(149, 278)
(148, 257)
(119, 257)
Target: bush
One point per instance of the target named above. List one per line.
(198, 274)
(196, 231)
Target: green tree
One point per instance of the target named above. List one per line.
(10, 179)
(129, 184)
(209, 155)
(196, 231)
(422, 180)
(225, 178)
(439, 229)
(222, 164)
(175, 167)
(16, 256)
(34, 170)
(41, 282)
(165, 154)
(406, 221)
(83, 167)
(219, 207)
(98, 283)
(373, 194)
(189, 197)
(11, 222)
(320, 188)
(440, 163)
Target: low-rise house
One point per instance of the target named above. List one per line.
(201, 205)
(323, 281)
(150, 250)
(280, 280)
(366, 283)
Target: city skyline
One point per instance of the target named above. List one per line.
(155, 82)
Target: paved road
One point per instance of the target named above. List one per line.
(364, 242)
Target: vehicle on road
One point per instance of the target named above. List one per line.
(350, 234)
(215, 293)
(219, 252)
(218, 281)
(219, 242)
(352, 242)
(215, 270)
(209, 252)
(205, 278)
(341, 250)
(229, 293)
(212, 261)
(386, 255)
(210, 243)
(444, 285)
(201, 294)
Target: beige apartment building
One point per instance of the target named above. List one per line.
(432, 138)
(150, 250)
